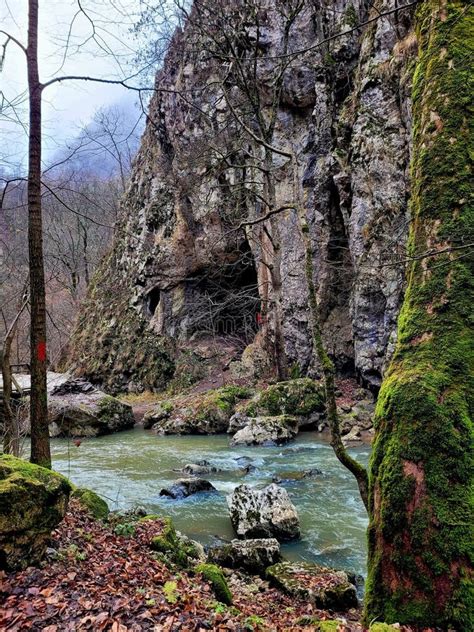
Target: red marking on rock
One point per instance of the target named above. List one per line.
(41, 351)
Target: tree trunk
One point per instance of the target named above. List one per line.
(420, 540)
(11, 435)
(327, 365)
(40, 448)
(275, 272)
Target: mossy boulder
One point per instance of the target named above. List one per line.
(323, 587)
(302, 398)
(33, 500)
(177, 548)
(214, 575)
(199, 413)
(92, 502)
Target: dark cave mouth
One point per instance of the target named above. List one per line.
(225, 299)
(153, 298)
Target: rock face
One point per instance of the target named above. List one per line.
(253, 556)
(345, 109)
(324, 587)
(266, 431)
(265, 513)
(185, 487)
(33, 501)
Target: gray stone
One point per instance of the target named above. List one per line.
(253, 556)
(263, 513)
(76, 408)
(185, 487)
(295, 477)
(267, 431)
(323, 587)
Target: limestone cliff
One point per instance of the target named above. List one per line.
(179, 266)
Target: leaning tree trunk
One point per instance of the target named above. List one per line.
(421, 471)
(319, 348)
(40, 448)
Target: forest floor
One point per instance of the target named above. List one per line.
(96, 580)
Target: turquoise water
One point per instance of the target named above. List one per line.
(130, 468)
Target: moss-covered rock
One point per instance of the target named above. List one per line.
(302, 398)
(214, 575)
(92, 502)
(199, 413)
(177, 548)
(321, 586)
(33, 500)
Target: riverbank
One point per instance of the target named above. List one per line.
(95, 579)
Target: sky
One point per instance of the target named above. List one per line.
(70, 105)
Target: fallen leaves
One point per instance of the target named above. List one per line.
(100, 581)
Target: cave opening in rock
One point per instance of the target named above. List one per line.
(225, 298)
(153, 300)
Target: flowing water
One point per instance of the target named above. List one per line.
(130, 468)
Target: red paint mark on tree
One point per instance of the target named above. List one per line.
(41, 351)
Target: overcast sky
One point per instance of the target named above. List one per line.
(67, 106)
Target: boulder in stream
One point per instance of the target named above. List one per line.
(295, 477)
(263, 513)
(253, 556)
(185, 487)
(199, 469)
(267, 431)
(323, 587)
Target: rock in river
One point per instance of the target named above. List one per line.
(33, 500)
(267, 431)
(263, 513)
(253, 556)
(185, 487)
(198, 469)
(323, 587)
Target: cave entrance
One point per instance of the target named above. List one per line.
(153, 300)
(225, 298)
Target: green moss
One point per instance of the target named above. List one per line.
(170, 591)
(323, 626)
(33, 500)
(422, 466)
(351, 18)
(92, 502)
(300, 397)
(214, 575)
(382, 627)
(167, 541)
(178, 551)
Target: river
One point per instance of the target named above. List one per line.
(130, 468)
